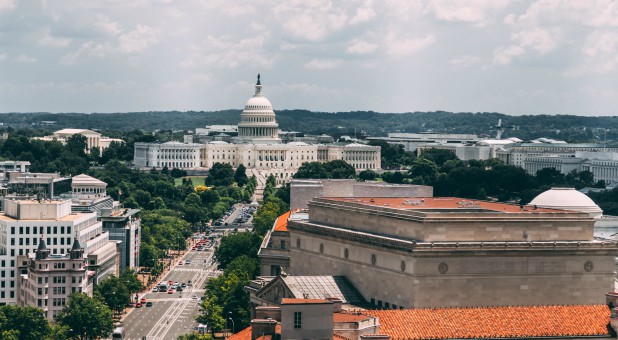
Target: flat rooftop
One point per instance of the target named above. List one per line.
(444, 204)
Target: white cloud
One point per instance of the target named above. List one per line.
(538, 39)
(465, 61)
(23, 58)
(228, 52)
(601, 51)
(87, 50)
(104, 24)
(504, 55)
(49, 40)
(310, 20)
(7, 4)
(138, 40)
(363, 14)
(403, 47)
(3, 56)
(361, 47)
(322, 64)
(477, 12)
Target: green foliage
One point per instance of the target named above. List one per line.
(423, 171)
(86, 317)
(240, 176)
(393, 156)
(196, 336)
(438, 156)
(130, 280)
(311, 170)
(114, 292)
(265, 216)
(220, 174)
(339, 169)
(23, 323)
(367, 175)
(235, 245)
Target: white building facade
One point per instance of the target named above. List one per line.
(257, 146)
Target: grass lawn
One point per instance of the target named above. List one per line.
(197, 180)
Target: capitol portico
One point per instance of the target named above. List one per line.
(257, 146)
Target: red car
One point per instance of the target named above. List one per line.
(171, 291)
(138, 305)
(180, 263)
(170, 282)
(142, 300)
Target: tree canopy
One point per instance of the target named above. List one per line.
(86, 317)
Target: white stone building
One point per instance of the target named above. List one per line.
(24, 222)
(258, 147)
(93, 139)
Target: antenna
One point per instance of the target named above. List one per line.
(500, 129)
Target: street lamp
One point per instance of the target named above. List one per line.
(232, 324)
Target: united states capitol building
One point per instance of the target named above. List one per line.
(257, 146)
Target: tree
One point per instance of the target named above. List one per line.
(265, 216)
(86, 317)
(76, 144)
(130, 280)
(235, 245)
(339, 169)
(195, 336)
(221, 174)
(114, 292)
(23, 323)
(240, 176)
(423, 171)
(367, 175)
(438, 156)
(212, 315)
(311, 170)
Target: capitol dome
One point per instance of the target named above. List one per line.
(258, 124)
(567, 199)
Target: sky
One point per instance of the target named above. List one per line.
(513, 57)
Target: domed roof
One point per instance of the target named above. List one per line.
(259, 103)
(567, 199)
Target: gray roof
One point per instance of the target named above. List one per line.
(322, 287)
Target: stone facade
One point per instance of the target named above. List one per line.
(483, 254)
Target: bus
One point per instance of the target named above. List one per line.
(118, 333)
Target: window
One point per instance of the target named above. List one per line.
(298, 319)
(282, 244)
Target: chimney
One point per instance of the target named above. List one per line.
(263, 327)
(374, 337)
(336, 304)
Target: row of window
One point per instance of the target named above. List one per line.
(50, 241)
(40, 230)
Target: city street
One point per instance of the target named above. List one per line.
(172, 315)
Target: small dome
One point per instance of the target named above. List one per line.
(567, 199)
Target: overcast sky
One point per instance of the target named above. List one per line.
(514, 57)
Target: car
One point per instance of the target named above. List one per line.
(183, 285)
(170, 291)
(187, 262)
(176, 283)
(155, 289)
(142, 300)
(170, 282)
(149, 304)
(180, 263)
(179, 289)
(138, 305)
(194, 297)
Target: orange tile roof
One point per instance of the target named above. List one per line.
(281, 224)
(245, 334)
(340, 337)
(494, 322)
(288, 301)
(346, 317)
(418, 203)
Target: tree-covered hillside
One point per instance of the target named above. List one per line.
(564, 127)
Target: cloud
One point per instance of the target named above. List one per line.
(87, 50)
(465, 61)
(7, 4)
(361, 47)
(504, 55)
(48, 40)
(363, 14)
(228, 52)
(310, 20)
(322, 64)
(104, 24)
(3, 56)
(601, 52)
(477, 12)
(138, 40)
(23, 58)
(403, 47)
(538, 39)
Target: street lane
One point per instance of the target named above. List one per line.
(173, 314)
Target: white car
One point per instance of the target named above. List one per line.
(194, 297)
(155, 289)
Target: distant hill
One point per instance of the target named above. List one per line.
(563, 127)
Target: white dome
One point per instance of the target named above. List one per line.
(258, 103)
(567, 199)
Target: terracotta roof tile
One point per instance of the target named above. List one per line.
(245, 334)
(281, 224)
(494, 322)
(346, 317)
(428, 203)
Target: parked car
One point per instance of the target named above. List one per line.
(149, 304)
